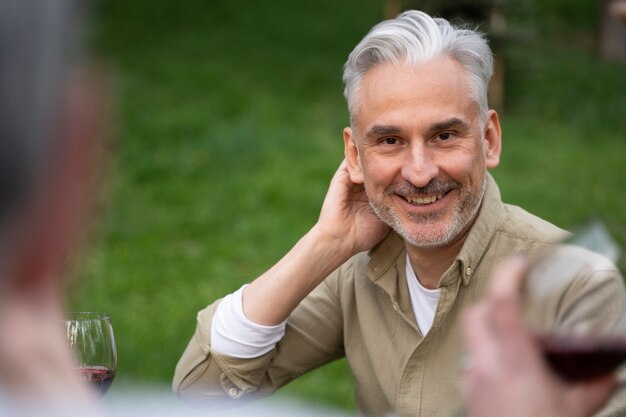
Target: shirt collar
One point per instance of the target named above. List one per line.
(384, 255)
(481, 233)
(387, 252)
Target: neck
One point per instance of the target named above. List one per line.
(429, 264)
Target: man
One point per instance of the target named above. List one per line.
(50, 119)
(409, 231)
(52, 124)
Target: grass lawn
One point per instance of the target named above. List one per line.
(229, 129)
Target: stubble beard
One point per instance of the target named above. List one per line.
(462, 214)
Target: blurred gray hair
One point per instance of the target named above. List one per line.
(37, 41)
(415, 38)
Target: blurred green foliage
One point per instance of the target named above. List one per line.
(228, 130)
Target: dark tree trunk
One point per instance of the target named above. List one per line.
(612, 30)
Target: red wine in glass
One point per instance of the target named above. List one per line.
(99, 377)
(579, 358)
(592, 343)
(91, 337)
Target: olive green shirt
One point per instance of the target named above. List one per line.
(362, 311)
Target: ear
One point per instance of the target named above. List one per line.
(352, 156)
(493, 140)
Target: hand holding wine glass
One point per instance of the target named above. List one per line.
(504, 371)
(91, 335)
(575, 304)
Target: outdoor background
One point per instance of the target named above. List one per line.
(228, 130)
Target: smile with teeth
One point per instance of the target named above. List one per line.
(421, 200)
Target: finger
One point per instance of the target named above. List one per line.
(476, 332)
(587, 398)
(517, 345)
(507, 280)
(504, 296)
(481, 344)
(342, 170)
(479, 363)
(341, 177)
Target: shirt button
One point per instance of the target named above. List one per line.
(468, 271)
(232, 392)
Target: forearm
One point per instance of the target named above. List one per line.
(270, 299)
(207, 378)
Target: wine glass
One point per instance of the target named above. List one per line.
(91, 336)
(582, 333)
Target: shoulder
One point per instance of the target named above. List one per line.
(574, 266)
(519, 224)
(578, 288)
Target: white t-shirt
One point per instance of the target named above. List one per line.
(423, 300)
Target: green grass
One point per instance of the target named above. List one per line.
(229, 128)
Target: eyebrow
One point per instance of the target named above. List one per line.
(453, 122)
(383, 130)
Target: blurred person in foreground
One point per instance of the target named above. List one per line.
(506, 374)
(50, 137)
(408, 235)
(53, 114)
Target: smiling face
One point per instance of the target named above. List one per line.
(420, 149)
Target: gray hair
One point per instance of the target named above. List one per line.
(37, 41)
(415, 38)
(35, 46)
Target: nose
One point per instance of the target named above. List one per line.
(419, 166)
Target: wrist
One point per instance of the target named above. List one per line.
(332, 245)
(270, 298)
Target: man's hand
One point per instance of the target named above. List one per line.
(347, 225)
(347, 216)
(506, 374)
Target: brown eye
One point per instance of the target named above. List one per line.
(390, 141)
(444, 136)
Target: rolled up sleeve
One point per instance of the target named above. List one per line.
(313, 336)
